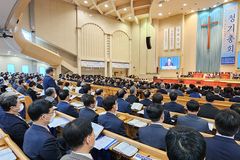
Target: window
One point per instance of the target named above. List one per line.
(42, 70)
(11, 68)
(25, 69)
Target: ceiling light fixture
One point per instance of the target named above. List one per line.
(160, 14)
(214, 6)
(106, 5)
(160, 5)
(184, 4)
(86, 2)
(225, 1)
(204, 9)
(129, 17)
(125, 9)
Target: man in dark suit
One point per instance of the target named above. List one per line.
(156, 98)
(162, 89)
(185, 143)
(48, 80)
(88, 112)
(64, 106)
(39, 83)
(14, 125)
(217, 95)
(235, 98)
(123, 106)
(31, 92)
(154, 134)
(80, 138)
(21, 88)
(39, 143)
(146, 101)
(236, 107)
(99, 97)
(51, 95)
(132, 97)
(207, 110)
(223, 146)
(109, 120)
(173, 106)
(191, 119)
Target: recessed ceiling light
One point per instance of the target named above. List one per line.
(90, 15)
(192, 11)
(225, 1)
(169, 13)
(86, 2)
(184, 4)
(129, 17)
(214, 6)
(125, 9)
(106, 5)
(160, 14)
(204, 9)
(160, 5)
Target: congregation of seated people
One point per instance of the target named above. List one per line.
(181, 142)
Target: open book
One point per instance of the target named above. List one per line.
(7, 154)
(137, 106)
(97, 129)
(77, 104)
(126, 149)
(137, 123)
(104, 142)
(58, 121)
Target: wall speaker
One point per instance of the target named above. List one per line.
(148, 42)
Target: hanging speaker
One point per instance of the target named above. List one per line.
(148, 42)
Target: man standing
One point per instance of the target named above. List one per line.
(48, 80)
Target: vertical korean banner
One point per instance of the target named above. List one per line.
(229, 36)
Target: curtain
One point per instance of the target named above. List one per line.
(208, 60)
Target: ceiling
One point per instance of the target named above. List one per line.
(5, 9)
(123, 10)
(165, 8)
(133, 10)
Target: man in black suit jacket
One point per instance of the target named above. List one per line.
(88, 112)
(39, 143)
(235, 98)
(185, 143)
(48, 80)
(191, 119)
(14, 125)
(31, 92)
(236, 108)
(109, 120)
(217, 95)
(173, 106)
(146, 101)
(223, 146)
(154, 134)
(207, 110)
(132, 97)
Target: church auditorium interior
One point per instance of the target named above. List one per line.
(119, 79)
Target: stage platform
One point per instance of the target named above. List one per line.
(200, 81)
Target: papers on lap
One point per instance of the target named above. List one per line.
(141, 112)
(104, 142)
(141, 157)
(137, 123)
(136, 106)
(97, 129)
(77, 105)
(58, 121)
(7, 154)
(126, 149)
